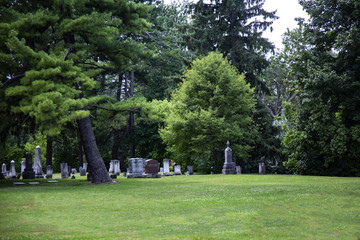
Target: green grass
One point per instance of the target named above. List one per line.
(184, 207)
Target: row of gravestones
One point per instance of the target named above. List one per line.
(149, 168)
(32, 171)
(138, 167)
(28, 169)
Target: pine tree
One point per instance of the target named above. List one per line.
(51, 52)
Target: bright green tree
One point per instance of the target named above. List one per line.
(212, 105)
(51, 51)
(323, 129)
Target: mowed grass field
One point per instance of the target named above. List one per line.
(183, 207)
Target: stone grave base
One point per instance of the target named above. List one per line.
(136, 175)
(153, 175)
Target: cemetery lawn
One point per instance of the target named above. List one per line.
(183, 207)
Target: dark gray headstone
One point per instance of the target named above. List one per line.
(228, 167)
(28, 172)
(190, 170)
(49, 171)
(152, 168)
(64, 170)
(82, 171)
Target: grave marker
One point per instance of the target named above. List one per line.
(166, 167)
(49, 171)
(136, 168)
(64, 170)
(228, 167)
(177, 170)
(152, 168)
(190, 170)
(28, 172)
(12, 173)
(37, 163)
(262, 168)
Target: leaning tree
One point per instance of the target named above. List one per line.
(51, 52)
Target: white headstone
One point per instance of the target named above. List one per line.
(37, 163)
(12, 173)
(238, 169)
(166, 167)
(23, 166)
(177, 170)
(111, 167)
(116, 164)
(3, 169)
(262, 168)
(136, 168)
(85, 167)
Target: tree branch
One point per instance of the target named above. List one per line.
(134, 110)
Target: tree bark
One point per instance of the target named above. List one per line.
(99, 173)
(116, 143)
(80, 153)
(49, 150)
(131, 119)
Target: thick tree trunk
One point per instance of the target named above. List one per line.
(49, 150)
(131, 119)
(80, 153)
(99, 173)
(116, 143)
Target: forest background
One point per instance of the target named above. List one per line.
(139, 77)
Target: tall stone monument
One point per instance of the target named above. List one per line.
(37, 163)
(28, 172)
(228, 167)
(12, 173)
(3, 170)
(23, 166)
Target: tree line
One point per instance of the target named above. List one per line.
(100, 80)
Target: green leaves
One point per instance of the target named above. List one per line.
(212, 105)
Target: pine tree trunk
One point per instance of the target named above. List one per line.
(99, 173)
(116, 144)
(49, 150)
(80, 153)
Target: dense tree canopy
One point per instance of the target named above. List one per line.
(212, 105)
(52, 51)
(323, 129)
